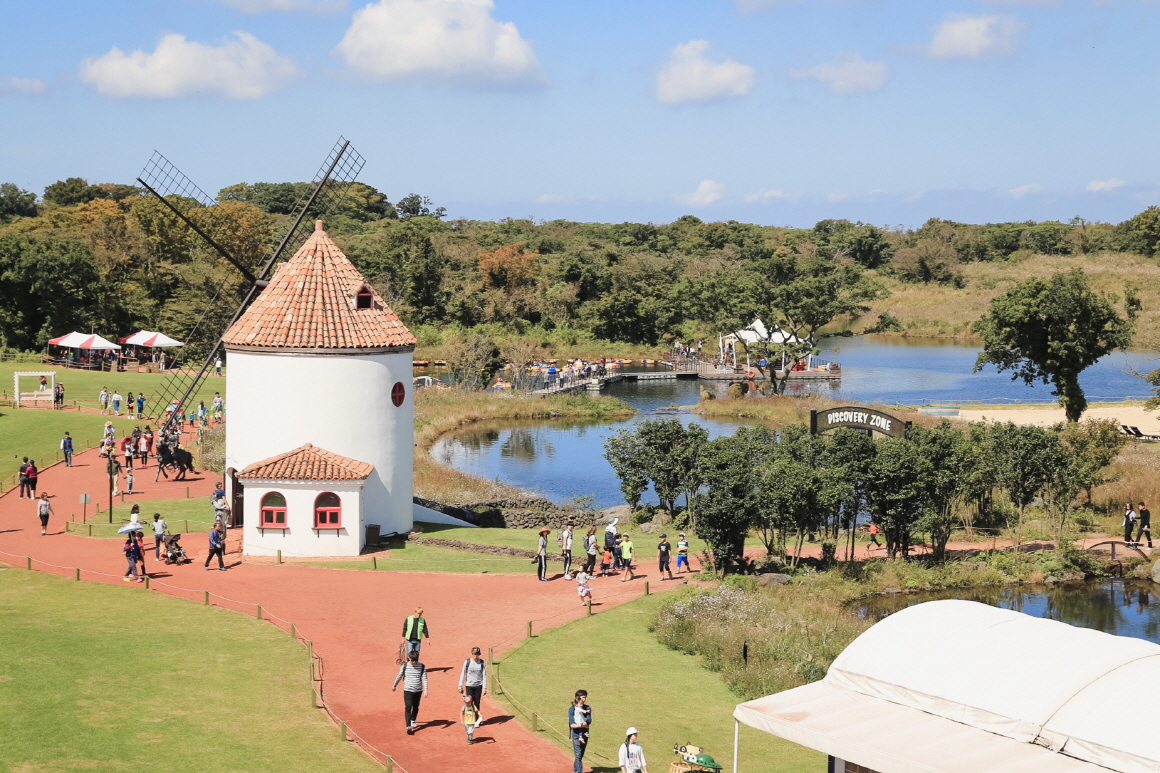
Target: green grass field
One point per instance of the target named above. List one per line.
(633, 680)
(83, 386)
(101, 678)
(184, 516)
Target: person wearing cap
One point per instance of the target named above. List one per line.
(541, 558)
(664, 553)
(414, 629)
(682, 552)
(631, 755)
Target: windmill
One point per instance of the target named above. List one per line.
(241, 286)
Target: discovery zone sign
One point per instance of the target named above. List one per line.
(866, 419)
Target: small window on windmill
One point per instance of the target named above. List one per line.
(364, 298)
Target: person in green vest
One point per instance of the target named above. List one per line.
(627, 552)
(414, 630)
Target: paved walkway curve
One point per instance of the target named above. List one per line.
(353, 617)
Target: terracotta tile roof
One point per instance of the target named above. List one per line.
(307, 463)
(310, 304)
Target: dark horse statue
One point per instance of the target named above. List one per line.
(172, 457)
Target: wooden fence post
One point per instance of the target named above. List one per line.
(28, 566)
(589, 605)
(146, 579)
(529, 629)
(390, 764)
(279, 556)
(207, 598)
(259, 611)
(344, 731)
(646, 587)
(491, 655)
(293, 631)
(77, 576)
(535, 722)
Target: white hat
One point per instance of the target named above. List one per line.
(611, 522)
(630, 731)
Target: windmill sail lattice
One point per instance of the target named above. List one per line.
(239, 288)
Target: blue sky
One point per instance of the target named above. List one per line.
(767, 111)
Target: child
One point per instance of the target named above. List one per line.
(470, 716)
(683, 553)
(129, 481)
(583, 590)
(605, 561)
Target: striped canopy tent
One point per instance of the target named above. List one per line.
(83, 341)
(149, 339)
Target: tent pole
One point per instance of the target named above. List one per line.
(736, 730)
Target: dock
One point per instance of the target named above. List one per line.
(711, 372)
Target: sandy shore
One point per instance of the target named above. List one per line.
(1045, 416)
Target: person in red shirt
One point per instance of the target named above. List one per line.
(873, 536)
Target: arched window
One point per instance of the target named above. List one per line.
(273, 511)
(327, 511)
(364, 298)
(398, 393)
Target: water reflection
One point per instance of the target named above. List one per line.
(526, 444)
(1121, 607)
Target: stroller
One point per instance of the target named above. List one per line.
(174, 552)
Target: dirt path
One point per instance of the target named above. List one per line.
(353, 617)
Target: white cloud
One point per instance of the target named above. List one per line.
(1024, 190)
(707, 192)
(244, 68)
(691, 76)
(849, 74)
(963, 36)
(1103, 186)
(766, 194)
(451, 42)
(261, 6)
(29, 86)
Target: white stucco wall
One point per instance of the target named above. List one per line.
(340, 403)
(300, 538)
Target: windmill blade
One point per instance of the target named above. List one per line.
(331, 183)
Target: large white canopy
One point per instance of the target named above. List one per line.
(960, 687)
(149, 339)
(83, 341)
(757, 333)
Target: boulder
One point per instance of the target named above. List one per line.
(622, 514)
(649, 528)
(773, 578)
(1156, 571)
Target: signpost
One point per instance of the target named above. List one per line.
(85, 512)
(867, 419)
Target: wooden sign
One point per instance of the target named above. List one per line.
(867, 419)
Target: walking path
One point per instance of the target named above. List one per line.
(353, 617)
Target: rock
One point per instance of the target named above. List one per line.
(622, 514)
(773, 579)
(649, 528)
(891, 591)
(1156, 571)
(1072, 577)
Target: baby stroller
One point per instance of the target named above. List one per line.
(174, 552)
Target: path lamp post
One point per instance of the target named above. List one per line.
(113, 469)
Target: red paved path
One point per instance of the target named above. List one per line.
(353, 617)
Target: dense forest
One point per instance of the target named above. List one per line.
(110, 258)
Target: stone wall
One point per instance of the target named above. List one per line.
(525, 513)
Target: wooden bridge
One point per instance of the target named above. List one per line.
(1114, 543)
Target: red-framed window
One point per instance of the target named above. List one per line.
(398, 393)
(364, 298)
(327, 511)
(273, 511)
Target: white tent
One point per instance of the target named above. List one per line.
(961, 687)
(83, 341)
(150, 339)
(757, 333)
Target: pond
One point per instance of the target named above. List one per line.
(1121, 607)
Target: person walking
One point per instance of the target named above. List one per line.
(116, 403)
(415, 629)
(1129, 522)
(541, 558)
(43, 511)
(1144, 519)
(566, 550)
(590, 548)
(66, 449)
(469, 715)
(664, 555)
(413, 675)
(33, 476)
(473, 679)
(131, 405)
(627, 552)
(140, 539)
(103, 399)
(631, 755)
(583, 589)
(683, 553)
(610, 534)
(217, 366)
(23, 478)
(140, 404)
(129, 481)
(159, 527)
(579, 724)
(57, 395)
(128, 450)
(217, 547)
(218, 407)
(873, 543)
(131, 551)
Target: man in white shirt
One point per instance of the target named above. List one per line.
(566, 550)
(159, 527)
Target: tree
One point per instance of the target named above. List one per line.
(415, 205)
(948, 457)
(1142, 233)
(623, 452)
(1092, 444)
(74, 190)
(16, 202)
(47, 288)
(662, 452)
(898, 496)
(472, 360)
(1050, 331)
(729, 503)
(1026, 458)
(850, 455)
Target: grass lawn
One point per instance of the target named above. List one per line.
(184, 516)
(101, 678)
(83, 386)
(409, 557)
(633, 680)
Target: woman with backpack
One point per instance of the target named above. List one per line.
(33, 475)
(43, 510)
(590, 549)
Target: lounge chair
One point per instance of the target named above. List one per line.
(1138, 434)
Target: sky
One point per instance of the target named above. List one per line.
(779, 112)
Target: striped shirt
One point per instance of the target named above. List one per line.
(413, 676)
